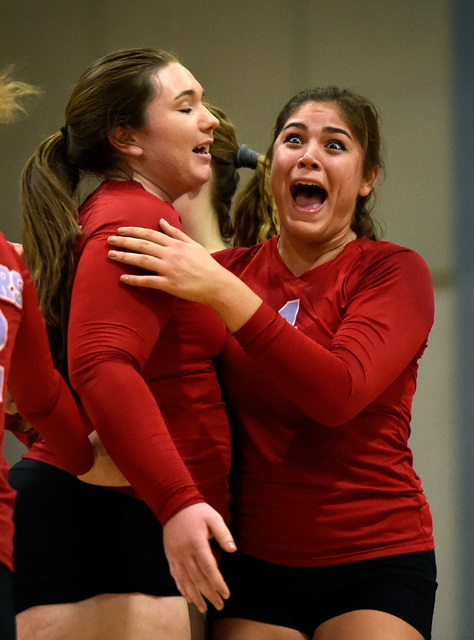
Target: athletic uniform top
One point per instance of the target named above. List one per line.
(320, 381)
(142, 365)
(40, 393)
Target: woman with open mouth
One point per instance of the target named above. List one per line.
(326, 326)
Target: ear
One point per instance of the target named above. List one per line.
(124, 140)
(369, 181)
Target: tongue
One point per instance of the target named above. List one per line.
(308, 198)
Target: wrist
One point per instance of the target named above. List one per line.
(233, 300)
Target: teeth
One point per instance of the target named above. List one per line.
(309, 184)
(306, 189)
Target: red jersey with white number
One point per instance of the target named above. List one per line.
(41, 395)
(320, 382)
(142, 363)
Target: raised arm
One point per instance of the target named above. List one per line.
(382, 331)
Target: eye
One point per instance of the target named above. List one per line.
(293, 138)
(185, 110)
(336, 145)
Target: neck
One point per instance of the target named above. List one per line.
(302, 257)
(124, 175)
(151, 187)
(199, 219)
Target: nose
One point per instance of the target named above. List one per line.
(211, 122)
(308, 160)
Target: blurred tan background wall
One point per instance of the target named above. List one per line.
(251, 56)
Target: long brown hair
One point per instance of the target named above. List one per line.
(225, 176)
(251, 217)
(255, 214)
(114, 91)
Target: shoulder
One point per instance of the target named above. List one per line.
(373, 254)
(386, 271)
(13, 274)
(9, 256)
(7, 251)
(238, 258)
(126, 203)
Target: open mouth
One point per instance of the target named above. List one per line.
(308, 196)
(200, 150)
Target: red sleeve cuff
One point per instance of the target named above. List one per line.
(260, 330)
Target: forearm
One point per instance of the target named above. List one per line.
(232, 300)
(42, 397)
(131, 427)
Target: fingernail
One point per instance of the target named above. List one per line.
(113, 254)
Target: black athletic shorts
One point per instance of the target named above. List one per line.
(74, 540)
(302, 598)
(7, 613)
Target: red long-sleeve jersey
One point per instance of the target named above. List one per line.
(41, 395)
(142, 363)
(320, 381)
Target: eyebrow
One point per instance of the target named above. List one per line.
(187, 92)
(303, 127)
(337, 130)
(190, 92)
